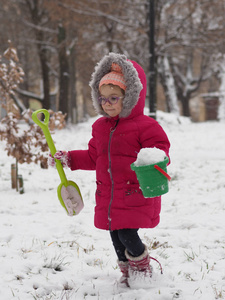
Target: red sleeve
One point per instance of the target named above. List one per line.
(152, 135)
(84, 159)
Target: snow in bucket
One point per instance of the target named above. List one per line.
(151, 171)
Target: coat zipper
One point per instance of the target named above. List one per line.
(110, 172)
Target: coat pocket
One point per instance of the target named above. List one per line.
(98, 192)
(102, 194)
(133, 195)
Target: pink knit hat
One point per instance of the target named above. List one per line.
(114, 77)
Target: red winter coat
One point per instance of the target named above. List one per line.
(114, 146)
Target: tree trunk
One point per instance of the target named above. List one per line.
(168, 83)
(73, 97)
(221, 109)
(45, 78)
(36, 15)
(185, 106)
(64, 71)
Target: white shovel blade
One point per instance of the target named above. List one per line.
(72, 200)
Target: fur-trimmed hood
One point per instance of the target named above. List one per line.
(134, 100)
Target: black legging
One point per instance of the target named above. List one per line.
(127, 239)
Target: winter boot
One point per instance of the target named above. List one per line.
(124, 268)
(140, 271)
(140, 263)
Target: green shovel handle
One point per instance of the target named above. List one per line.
(45, 129)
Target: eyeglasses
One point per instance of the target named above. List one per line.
(111, 99)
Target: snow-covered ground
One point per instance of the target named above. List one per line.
(45, 254)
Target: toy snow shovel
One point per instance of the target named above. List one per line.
(68, 191)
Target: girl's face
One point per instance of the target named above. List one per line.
(107, 91)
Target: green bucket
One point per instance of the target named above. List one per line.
(153, 179)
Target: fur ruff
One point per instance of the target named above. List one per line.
(133, 83)
(139, 258)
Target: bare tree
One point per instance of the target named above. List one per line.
(39, 18)
(70, 36)
(186, 37)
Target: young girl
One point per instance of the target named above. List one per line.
(118, 92)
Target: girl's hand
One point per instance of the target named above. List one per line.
(63, 156)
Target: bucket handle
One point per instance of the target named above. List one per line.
(162, 171)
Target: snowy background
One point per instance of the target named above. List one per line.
(47, 255)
